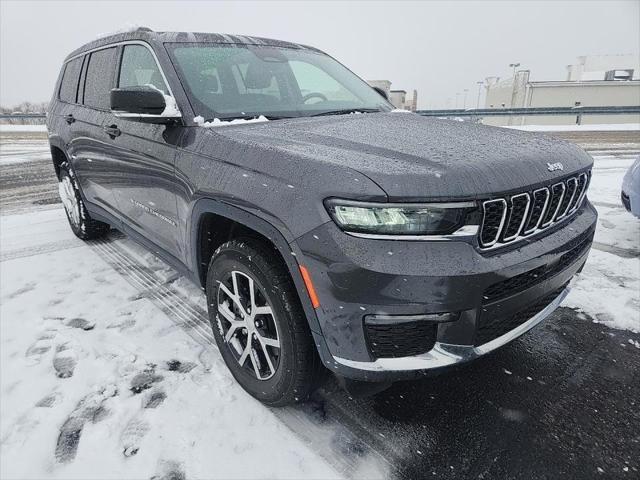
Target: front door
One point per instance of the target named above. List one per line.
(143, 156)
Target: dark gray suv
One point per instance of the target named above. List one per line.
(326, 228)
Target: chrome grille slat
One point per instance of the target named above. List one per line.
(513, 225)
(507, 220)
(496, 207)
(571, 185)
(583, 183)
(563, 190)
(537, 211)
(557, 192)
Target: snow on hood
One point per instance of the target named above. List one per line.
(223, 123)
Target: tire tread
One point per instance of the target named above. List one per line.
(308, 369)
(90, 229)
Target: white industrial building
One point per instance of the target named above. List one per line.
(399, 98)
(602, 80)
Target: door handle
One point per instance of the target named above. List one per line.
(69, 119)
(112, 130)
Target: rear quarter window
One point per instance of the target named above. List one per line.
(69, 84)
(99, 78)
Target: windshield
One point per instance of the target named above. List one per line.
(242, 81)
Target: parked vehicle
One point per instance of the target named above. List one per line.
(630, 194)
(328, 231)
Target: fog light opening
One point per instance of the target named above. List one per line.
(397, 319)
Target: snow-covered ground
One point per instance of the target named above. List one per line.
(99, 382)
(103, 375)
(609, 287)
(22, 128)
(24, 150)
(609, 127)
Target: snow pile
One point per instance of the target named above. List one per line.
(608, 290)
(400, 110)
(223, 123)
(171, 109)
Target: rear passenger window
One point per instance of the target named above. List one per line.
(99, 79)
(139, 68)
(69, 82)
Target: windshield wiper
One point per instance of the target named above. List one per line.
(346, 111)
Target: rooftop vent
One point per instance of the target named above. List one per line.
(619, 75)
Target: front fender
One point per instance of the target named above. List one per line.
(281, 239)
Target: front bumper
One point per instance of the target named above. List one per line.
(446, 354)
(358, 278)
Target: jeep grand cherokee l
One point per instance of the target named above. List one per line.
(326, 228)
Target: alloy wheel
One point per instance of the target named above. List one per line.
(248, 326)
(69, 200)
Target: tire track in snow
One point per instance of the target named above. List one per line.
(38, 250)
(620, 252)
(342, 443)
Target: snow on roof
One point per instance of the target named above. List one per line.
(126, 28)
(133, 32)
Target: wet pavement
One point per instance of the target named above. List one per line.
(561, 402)
(26, 184)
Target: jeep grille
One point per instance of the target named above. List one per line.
(509, 219)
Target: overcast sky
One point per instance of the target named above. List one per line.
(439, 48)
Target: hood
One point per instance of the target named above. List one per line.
(416, 158)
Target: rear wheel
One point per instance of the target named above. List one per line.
(81, 223)
(259, 325)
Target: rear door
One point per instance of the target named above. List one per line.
(64, 103)
(90, 149)
(143, 156)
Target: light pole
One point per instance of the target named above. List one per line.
(514, 66)
(464, 103)
(479, 83)
(457, 97)
(513, 91)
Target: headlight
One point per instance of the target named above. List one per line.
(401, 219)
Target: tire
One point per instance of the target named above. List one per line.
(81, 223)
(293, 370)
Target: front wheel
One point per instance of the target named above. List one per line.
(81, 223)
(259, 325)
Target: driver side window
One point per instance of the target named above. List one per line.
(138, 68)
(312, 79)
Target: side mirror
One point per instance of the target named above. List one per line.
(144, 104)
(381, 92)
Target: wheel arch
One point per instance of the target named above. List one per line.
(58, 154)
(233, 222)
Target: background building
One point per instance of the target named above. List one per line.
(603, 80)
(399, 98)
